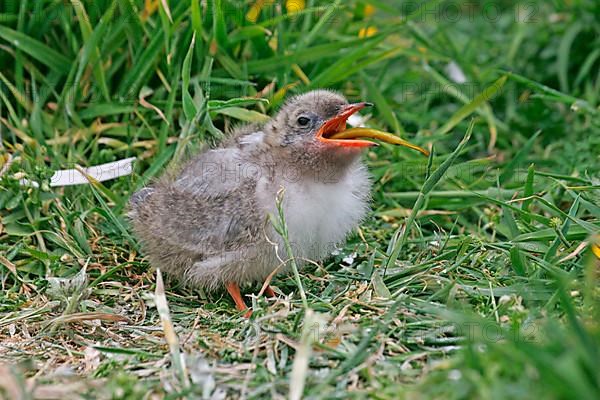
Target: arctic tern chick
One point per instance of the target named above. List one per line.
(206, 223)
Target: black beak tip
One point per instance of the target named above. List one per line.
(367, 104)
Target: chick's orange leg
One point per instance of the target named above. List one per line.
(269, 292)
(234, 292)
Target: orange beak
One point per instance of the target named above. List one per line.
(338, 124)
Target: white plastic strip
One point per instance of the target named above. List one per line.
(102, 172)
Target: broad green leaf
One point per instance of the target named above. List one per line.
(36, 49)
(564, 52)
(214, 105)
(243, 114)
(543, 235)
(189, 108)
(105, 109)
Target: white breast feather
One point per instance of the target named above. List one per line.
(320, 215)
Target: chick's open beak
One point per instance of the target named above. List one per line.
(337, 124)
(334, 132)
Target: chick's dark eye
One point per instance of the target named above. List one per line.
(303, 121)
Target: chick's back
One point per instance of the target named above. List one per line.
(205, 208)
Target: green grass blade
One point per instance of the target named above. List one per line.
(426, 188)
(468, 109)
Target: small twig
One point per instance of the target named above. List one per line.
(170, 336)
